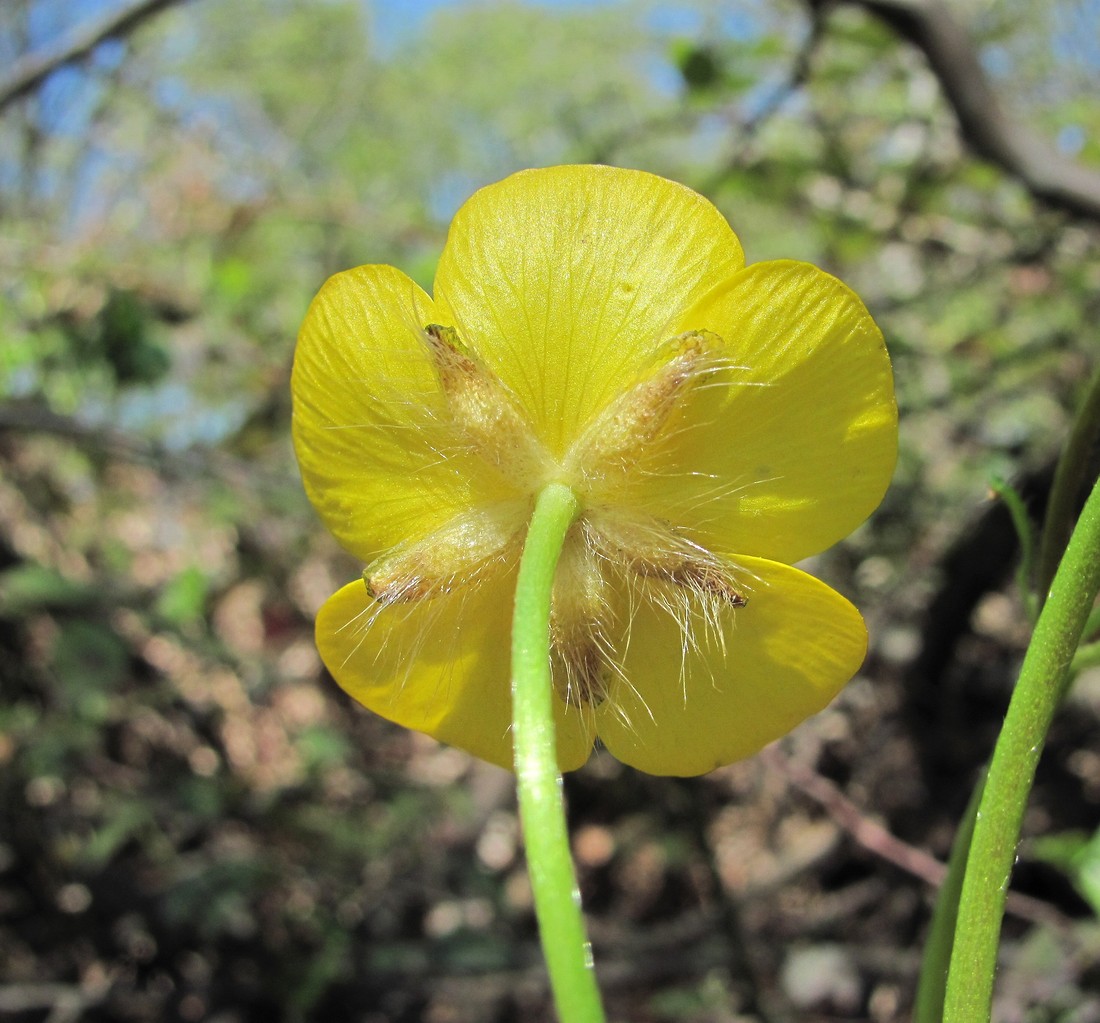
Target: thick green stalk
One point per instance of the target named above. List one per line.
(1012, 770)
(542, 810)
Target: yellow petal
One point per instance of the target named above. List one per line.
(438, 666)
(567, 280)
(370, 426)
(788, 652)
(792, 446)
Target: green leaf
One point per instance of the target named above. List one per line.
(122, 821)
(1077, 854)
(321, 746)
(31, 587)
(89, 661)
(183, 600)
(699, 64)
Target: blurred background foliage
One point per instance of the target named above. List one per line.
(196, 825)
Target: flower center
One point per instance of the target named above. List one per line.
(611, 541)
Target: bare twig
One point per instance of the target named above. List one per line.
(983, 122)
(877, 840)
(33, 417)
(744, 125)
(797, 77)
(30, 70)
(66, 1002)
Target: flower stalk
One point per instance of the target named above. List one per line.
(1046, 666)
(542, 810)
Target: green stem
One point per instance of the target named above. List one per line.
(1070, 477)
(1025, 533)
(1011, 771)
(931, 985)
(542, 810)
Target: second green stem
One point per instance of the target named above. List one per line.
(1011, 771)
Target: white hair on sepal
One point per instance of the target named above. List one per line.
(466, 550)
(700, 591)
(361, 623)
(635, 437)
(618, 706)
(446, 677)
(483, 418)
(408, 627)
(409, 607)
(518, 357)
(590, 634)
(616, 636)
(378, 614)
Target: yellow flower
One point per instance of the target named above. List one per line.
(595, 327)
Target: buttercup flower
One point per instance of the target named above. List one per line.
(595, 327)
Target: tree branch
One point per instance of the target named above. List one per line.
(30, 70)
(983, 122)
(32, 417)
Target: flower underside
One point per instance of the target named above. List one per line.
(594, 328)
(610, 542)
